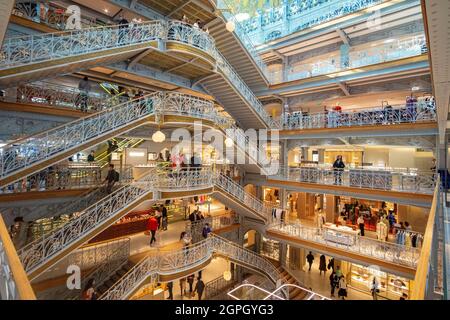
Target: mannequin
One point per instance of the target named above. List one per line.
(320, 219)
(382, 231)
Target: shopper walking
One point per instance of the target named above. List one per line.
(334, 281)
(91, 156)
(361, 225)
(111, 178)
(190, 281)
(165, 219)
(183, 287)
(338, 168)
(322, 265)
(152, 226)
(310, 259)
(342, 293)
(85, 87)
(374, 288)
(199, 287)
(123, 26)
(170, 289)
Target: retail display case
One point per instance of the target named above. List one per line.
(340, 234)
(391, 287)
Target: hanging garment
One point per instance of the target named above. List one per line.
(408, 242)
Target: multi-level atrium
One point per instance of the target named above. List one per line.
(224, 149)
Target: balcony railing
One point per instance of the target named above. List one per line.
(40, 12)
(46, 47)
(384, 251)
(67, 177)
(298, 15)
(429, 272)
(422, 111)
(61, 96)
(402, 180)
(80, 225)
(186, 259)
(395, 50)
(28, 151)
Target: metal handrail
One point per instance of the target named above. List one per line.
(61, 96)
(29, 49)
(409, 113)
(37, 148)
(402, 180)
(185, 259)
(386, 251)
(81, 224)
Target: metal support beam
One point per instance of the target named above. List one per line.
(196, 81)
(279, 55)
(178, 8)
(181, 65)
(138, 58)
(344, 87)
(343, 36)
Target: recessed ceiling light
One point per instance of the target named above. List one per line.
(106, 10)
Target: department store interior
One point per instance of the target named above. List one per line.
(224, 150)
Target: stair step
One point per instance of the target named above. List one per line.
(121, 272)
(115, 277)
(102, 289)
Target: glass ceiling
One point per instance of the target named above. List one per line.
(267, 20)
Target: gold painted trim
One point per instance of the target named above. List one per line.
(185, 48)
(21, 280)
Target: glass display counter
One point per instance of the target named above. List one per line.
(391, 286)
(340, 234)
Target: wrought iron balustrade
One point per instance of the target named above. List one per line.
(185, 259)
(37, 148)
(403, 180)
(385, 251)
(40, 250)
(194, 229)
(61, 96)
(55, 17)
(412, 113)
(58, 177)
(37, 48)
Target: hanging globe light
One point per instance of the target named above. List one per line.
(158, 136)
(229, 142)
(227, 275)
(230, 26)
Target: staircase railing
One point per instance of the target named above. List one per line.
(60, 96)
(44, 248)
(37, 252)
(37, 148)
(36, 48)
(230, 186)
(186, 259)
(113, 256)
(194, 229)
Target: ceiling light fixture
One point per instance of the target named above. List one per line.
(158, 136)
(230, 26)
